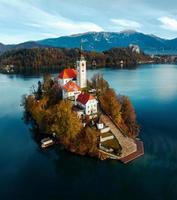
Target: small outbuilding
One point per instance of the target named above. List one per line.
(88, 103)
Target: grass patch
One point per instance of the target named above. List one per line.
(114, 144)
(103, 135)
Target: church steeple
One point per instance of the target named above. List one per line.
(81, 52)
(81, 69)
(81, 49)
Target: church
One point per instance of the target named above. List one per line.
(73, 81)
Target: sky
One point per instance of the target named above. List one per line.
(24, 20)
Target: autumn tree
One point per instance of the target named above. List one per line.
(129, 116)
(87, 141)
(47, 83)
(99, 83)
(39, 90)
(110, 104)
(45, 59)
(54, 94)
(63, 121)
(36, 108)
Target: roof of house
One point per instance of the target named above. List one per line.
(84, 97)
(68, 73)
(71, 87)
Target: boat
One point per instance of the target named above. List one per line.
(46, 142)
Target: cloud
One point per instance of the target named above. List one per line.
(71, 27)
(22, 20)
(26, 21)
(168, 23)
(126, 24)
(59, 23)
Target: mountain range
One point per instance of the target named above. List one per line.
(101, 41)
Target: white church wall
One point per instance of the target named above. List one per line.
(62, 82)
(91, 107)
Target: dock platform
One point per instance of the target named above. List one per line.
(134, 155)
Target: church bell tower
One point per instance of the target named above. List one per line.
(81, 70)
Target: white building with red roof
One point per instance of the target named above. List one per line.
(67, 75)
(79, 75)
(71, 89)
(87, 102)
(73, 81)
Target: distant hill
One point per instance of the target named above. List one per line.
(25, 45)
(101, 41)
(57, 58)
(4, 48)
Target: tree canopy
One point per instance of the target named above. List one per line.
(44, 59)
(119, 108)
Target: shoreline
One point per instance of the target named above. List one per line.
(48, 70)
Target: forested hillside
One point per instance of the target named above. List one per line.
(56, 58)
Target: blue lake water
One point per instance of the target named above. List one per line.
(27, 172)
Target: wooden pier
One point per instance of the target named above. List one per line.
(134, 155)
(131, 148)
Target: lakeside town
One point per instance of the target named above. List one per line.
(86, 117)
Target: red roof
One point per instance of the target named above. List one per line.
(84, 97)
(68, 73)
(71, 87)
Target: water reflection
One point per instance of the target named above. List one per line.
(156, 82)
(26, 170)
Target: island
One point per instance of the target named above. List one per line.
(84, 116)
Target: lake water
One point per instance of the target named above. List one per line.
(27, 172)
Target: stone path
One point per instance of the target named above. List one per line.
(129, 145)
